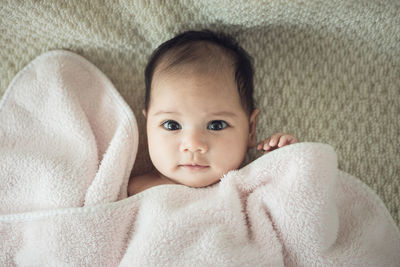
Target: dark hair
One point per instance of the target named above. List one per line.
(242, 61)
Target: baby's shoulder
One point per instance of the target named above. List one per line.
(138, 183)
(142, 182)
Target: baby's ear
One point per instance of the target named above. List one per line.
(144, 113)
(252, 128)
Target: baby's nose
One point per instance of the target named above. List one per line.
(194, 141)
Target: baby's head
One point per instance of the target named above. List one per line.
(199, 107)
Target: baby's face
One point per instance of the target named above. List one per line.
(197, 128)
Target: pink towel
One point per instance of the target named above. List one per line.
(68, 142)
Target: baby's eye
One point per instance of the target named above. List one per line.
(171, 125)
(217, 125)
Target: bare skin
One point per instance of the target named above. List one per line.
(148, 180)
(276, 141)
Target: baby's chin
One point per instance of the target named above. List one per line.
(200, 185)
(195, 182)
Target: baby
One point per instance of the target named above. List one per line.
(199, 109)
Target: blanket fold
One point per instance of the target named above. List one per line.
(68, 142)
(63, 123)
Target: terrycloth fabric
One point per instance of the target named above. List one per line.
(68, 143)
(326, 71)
(67, 138)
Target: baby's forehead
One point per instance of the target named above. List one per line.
(201, 56)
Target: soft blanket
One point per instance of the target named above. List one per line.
(68, 142)
(333, 65)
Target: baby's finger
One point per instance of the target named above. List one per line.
(292, 139)
(260, 145)
(266, 145)
(283, 141)
(287, 139)
(274, 139)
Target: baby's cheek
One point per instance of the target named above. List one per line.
(232, 155)
(159, 151)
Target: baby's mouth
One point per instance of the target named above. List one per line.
(193, 166)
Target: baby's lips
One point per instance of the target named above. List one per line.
(194, 164)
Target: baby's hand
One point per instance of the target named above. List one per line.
(278, 140)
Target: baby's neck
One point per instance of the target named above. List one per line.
(142, 182)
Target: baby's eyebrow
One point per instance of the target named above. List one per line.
(224, 113)
(218, 113)
(165, 112)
